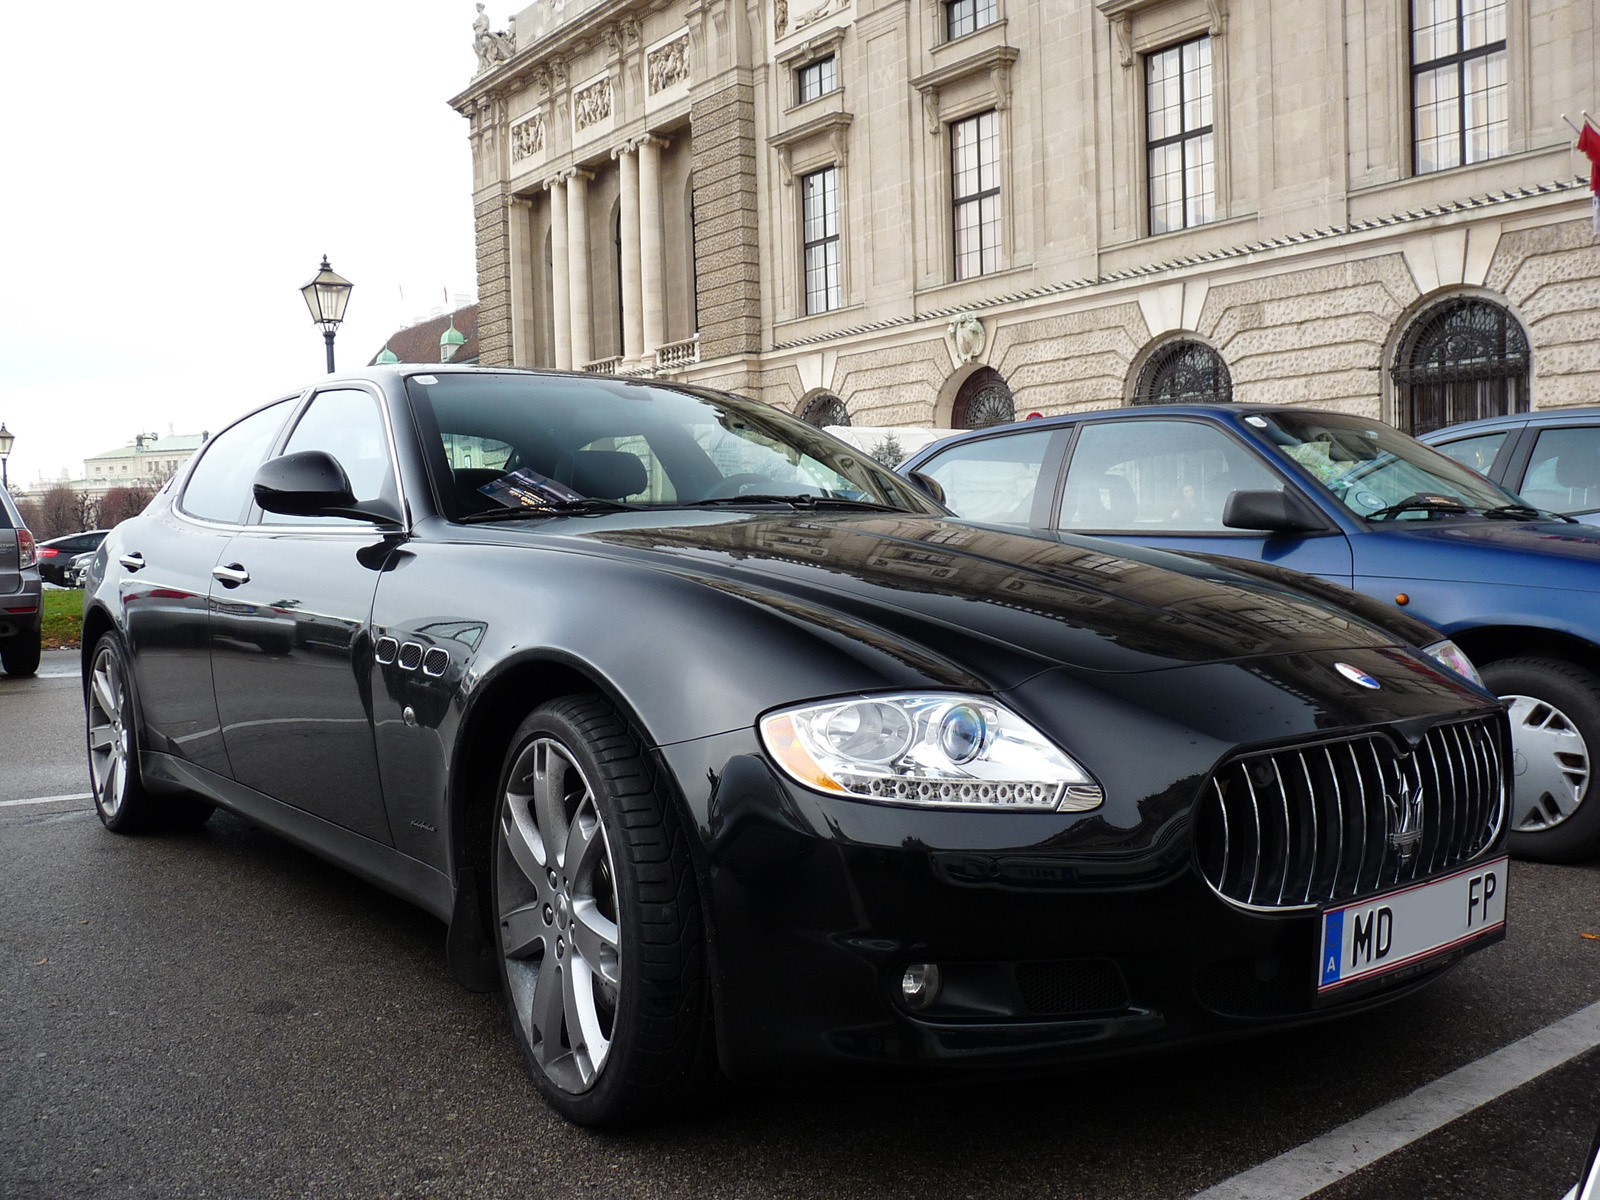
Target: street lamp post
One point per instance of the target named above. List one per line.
(326, 296)
(7, 439)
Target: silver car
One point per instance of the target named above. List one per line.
(21, 607)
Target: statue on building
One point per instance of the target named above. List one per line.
(967, 336)
(492, 47)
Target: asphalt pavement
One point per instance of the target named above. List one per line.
(219, 1014)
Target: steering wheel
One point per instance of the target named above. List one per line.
(738, 485)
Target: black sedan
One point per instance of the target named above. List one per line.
(56, 555)
(719, 746)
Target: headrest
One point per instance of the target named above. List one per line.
(1579, 467)
(602, 474)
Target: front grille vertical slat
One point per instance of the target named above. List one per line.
(1345, 820)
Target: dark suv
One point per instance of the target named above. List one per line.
(21, 612)
(1357, 503)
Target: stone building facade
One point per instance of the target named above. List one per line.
(950, 212)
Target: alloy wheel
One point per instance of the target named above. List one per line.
(558, 911)
(110, 737)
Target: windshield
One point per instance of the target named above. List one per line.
(1378, 472)
(505, 444)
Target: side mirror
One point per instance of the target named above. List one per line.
(1278, 511)
(311, 483)
(929, 484)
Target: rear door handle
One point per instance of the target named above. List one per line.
(230, 576)
(133, 562)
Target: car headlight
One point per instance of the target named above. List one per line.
(928, 749)
(1448, 654)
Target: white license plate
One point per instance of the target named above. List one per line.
(1383, 933)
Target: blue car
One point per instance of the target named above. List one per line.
(1352, 501)
(1550, 458)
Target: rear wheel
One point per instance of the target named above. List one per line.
(120, 797)
(1555, 735)
(597, 918)
(19, 654)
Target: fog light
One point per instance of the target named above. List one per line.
(920, 985)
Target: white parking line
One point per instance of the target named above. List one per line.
(46, 799)
(1298, 1173)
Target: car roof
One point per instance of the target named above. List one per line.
(1576, 414)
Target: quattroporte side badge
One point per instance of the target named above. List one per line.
(1357, 676)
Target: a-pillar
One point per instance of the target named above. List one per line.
(632, 317)
(650, 272)
(560, 291)
(578, 264)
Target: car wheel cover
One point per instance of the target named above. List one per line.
(1552, 764)
(110, 738)
(557, 906)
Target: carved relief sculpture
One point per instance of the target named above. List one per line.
(527, 138)
(780, 18)
(492, 46)
(592, 105)
(967, 336)
(669, 65)
(814, 14)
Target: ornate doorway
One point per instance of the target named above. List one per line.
(1184, 373)
(1461, 360)
(984, 400)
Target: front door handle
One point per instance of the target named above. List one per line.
(133, 562)
(230, 576)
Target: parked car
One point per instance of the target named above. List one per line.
(56, 555)
(1551, 458)
(21, 606)
(77, 570)
(718, 744)
(1355, 502)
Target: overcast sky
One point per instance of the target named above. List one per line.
(174, 174)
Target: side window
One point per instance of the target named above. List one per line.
(1157, 477)
(992, 479)
(347, 425)
(1564, 472)
(218, 489)
(1475, 452)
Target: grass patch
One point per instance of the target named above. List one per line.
(63, 618)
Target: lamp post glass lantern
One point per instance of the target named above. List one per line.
(7, 439)
(326, 296)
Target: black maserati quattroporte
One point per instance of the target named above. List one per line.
(718, 746)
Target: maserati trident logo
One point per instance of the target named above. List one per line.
(1357, 675)
(1405, 818)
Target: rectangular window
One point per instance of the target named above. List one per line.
(962, 17)
(817, 79)
(1458, 83)
(819, 201)
(1179, 137)
(975, 194)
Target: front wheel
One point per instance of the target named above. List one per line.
(1555, 736)
(597, 918)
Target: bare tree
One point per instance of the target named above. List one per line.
(58, 513)
(120, 503)
(31, 515)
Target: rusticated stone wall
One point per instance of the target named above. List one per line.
(727, 257)
(494, 278)
(1551, 276)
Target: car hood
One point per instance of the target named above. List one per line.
(1000, 605)
(1556, 554)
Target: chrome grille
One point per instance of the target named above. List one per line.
(1334, 820)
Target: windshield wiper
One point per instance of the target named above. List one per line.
(805, 501)
(552, 508)
(1525, 512)
(1420, 502)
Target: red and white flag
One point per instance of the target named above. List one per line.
(1589, 144)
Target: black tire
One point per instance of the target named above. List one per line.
(594, 893)
(112, 734)
(1555, 730)
(19, 654)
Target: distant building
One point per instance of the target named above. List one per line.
(450, 337)
(149, 459)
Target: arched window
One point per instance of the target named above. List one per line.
(1184, 373)
(984, 399)
(825, 409)
(1462, 360)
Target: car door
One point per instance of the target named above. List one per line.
(1164, 482)
(165, 562)
(290, 648)
(1562, 471)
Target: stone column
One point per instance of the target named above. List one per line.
(520, 275)
(578, 266)
(650, 281)
(632, 317)
(560, 292)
